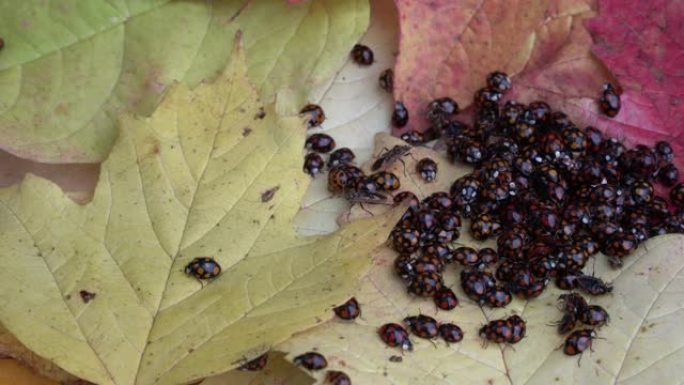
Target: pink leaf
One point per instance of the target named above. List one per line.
(642, 44)
(447, 48)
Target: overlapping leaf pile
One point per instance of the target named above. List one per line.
(61, 91)
(188, 181)
(68, 69)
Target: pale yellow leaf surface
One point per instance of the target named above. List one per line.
(642, 344)
(278, 371)
(356, 108)
(188, 181)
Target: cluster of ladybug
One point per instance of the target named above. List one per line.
(576, 311)
(422, 326)
(553, 194)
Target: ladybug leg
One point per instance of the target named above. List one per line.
(579, 359)
(507, 346)
(403, 164)
(366, 210)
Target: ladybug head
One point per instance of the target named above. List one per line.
(407, 345)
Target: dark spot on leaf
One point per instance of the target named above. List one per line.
(191, 350)
(396, 359)
(246, 131)
(261, 114)
(87, 296)
(272, 216)
(268, 194)
(68, 297)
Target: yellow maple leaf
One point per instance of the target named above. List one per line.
(211, 173)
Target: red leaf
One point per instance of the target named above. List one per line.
(642, 44)
(447, 48)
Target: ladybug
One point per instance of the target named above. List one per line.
(440, 251)
(519, 329)
(588, 244)
(341, 156)
(394, 335)
(449, 220)
(311, 361)
(440, 110)
(677, 195)
(668, 175)
(414, 138)
(315, 113)
(498, 297)
(256, 364)
(427, 263)
(534, 289)
(572, 258)
(567, 323)
(476, 284)
(552, 144)
(524, 132)
(427, 168)
(405, 240)
(619, 246)
(343, 177)
(400, 115)
(422, 326)
(386, 181)
(575, 140)
(610, 101)
(544, 267)
(403, 265)
(386, 80)
(538, 112)
(468, 151)
(203, 268)
(451, 333)
(573, 303)
(445, 299)
(484, 226)
(511, 244)
(335, 377)
(487, 97)
(349, 310)
(404, 195)
(426, 284)
(313, 164)
(594, 315)
(567, 280)
(510, 330)
(439, 201)
(642, 192)
(362, 55)
(510, 113)
(322, 143)
(487, 257)
(578, 341)
(594, 138)
(664, 151)
(466, 256)
(593, 285)
(499, 81)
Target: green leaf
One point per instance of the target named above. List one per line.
(69, 69)
(188, 181)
